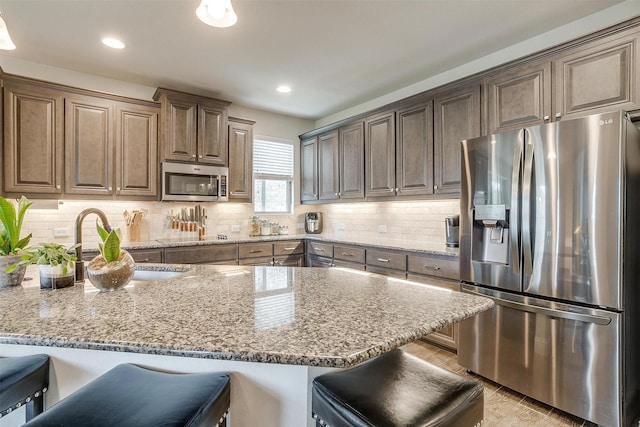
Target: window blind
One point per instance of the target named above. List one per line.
(272, 159)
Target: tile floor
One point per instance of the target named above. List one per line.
(502, 407)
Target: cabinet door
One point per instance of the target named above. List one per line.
(33, 139)
(136, 150)
(309, 169)
(212, 136)
(240, 162)
(328, 171)
(380, 152)
(352, 162)
(601, 76)
(519, 97)
(179, 130)
(89, 151)
(457, 116)
(414, 151)
(289, 261)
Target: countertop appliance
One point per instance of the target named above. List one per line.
(550, 230)
(194, 182)
(313, 222)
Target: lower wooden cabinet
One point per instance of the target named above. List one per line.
(205, 254)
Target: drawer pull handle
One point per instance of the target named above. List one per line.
(255, 251)
(319, 249)
(383, 260)
(431, 268)
(346, 254)
(288, 249)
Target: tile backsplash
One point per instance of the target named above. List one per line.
(411, 221)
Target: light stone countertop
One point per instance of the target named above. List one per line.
(297, 316)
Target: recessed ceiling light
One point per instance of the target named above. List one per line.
(114, 43)
(283, 89)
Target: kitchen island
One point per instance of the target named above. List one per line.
(274, 328)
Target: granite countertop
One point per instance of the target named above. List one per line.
(391, 244)
(299, 316)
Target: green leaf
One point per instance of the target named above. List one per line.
(22, 243)
(101, 231)
(111, 248)
(10, 268)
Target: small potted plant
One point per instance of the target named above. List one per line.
(12, 247)
(57, 267)
(114, 267)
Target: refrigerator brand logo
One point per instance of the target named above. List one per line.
(606, 122)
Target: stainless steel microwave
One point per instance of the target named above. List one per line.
(194, 183)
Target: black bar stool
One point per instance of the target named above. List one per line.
(133, 396)
(23, 381)
(396, 389)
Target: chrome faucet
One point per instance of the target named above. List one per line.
(79, 219)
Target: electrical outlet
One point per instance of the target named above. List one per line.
(382, 229)
(61, 232)
(235, 228)
(341, 227)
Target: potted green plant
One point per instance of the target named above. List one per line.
(57, 264)
(114, 267)
(12, 247)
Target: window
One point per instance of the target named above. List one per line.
(272, 176)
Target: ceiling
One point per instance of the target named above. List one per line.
(334, 54)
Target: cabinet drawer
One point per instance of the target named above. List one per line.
(445, 267)
(318, 261)
(347, 264)
(386, 259)
(288, 248)
(349, 253)
(251, 250)
(146, 255)
(289, 260)
(321, 249)
(263, 260)
(218, 254)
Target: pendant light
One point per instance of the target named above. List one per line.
(217, 13)
(5, 40)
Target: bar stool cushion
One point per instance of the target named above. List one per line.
(397, 389)
(132, 396)
(23, 380)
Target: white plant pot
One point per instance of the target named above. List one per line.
(51, 277)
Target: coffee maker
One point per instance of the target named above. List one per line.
(313, 222)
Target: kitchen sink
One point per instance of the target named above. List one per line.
(149, 275)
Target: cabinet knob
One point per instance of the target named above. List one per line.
(545, 118)
(118, 189)
(110, 188)
(335, 194)
(58, 187)
(435, 187)
(558, 115)
(194, 156)
(392, 190)
(200, 157)
(397, 189)
(231, 193)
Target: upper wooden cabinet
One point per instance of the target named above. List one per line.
(309, 169)
(240, 160)
(193, 128)
(351, 159)
(75, 143)
(89, 145)
(110, 148)
(136, 143)
(33, 138)
(380, 155)
(328, 161)
(457, 116)
(519, 96)
(599, 76)
(414, 150)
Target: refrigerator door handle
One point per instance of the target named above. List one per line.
(515, 206)
(527, 179)
(550, 312)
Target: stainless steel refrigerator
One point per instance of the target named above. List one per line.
(550, 230)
